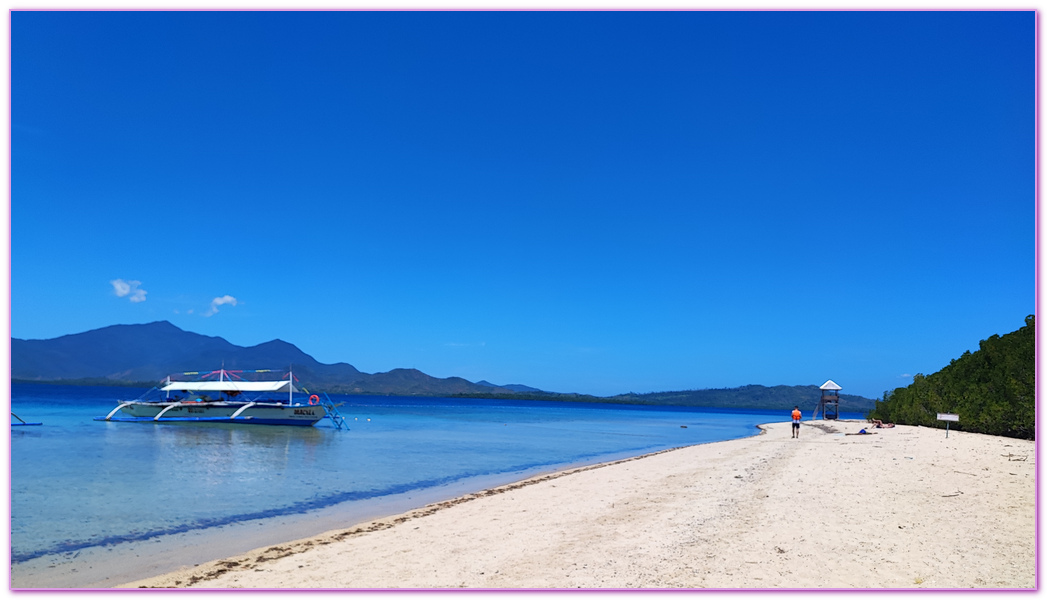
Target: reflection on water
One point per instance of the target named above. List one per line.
(20, 432)
(223, 453)
(261, 442)
(74, 488)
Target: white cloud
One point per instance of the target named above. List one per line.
(227, 299)
(129, 288)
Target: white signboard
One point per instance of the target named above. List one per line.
(948, 417)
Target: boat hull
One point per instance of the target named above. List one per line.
(304, 415)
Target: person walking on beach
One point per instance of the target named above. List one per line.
(796, 421)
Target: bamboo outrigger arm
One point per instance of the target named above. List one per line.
(115, 410)
(242, 409)
(161, 413)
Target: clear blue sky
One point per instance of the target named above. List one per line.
(594, 202)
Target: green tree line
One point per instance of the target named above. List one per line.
(993, 389)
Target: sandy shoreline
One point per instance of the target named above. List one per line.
(904, 508)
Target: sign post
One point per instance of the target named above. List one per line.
(948, 418)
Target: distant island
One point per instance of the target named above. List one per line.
(779, 397)
(142, 355)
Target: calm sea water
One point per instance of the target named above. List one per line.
(77, 483)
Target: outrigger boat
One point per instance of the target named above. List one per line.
(229, 399)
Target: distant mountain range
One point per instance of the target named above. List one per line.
(145, 354)
(148, 353)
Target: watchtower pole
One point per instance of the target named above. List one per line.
(829, 404)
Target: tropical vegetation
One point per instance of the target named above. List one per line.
(992, 390)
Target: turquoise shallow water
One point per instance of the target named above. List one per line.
(79, 484)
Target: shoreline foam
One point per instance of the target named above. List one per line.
(901, 508)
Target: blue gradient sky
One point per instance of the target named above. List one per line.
(594, 202)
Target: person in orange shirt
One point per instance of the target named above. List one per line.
(796, 421)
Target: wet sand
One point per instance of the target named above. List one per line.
(905, 507)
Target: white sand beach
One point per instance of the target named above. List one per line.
(905, 507)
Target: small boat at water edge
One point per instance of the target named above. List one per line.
(229, 399)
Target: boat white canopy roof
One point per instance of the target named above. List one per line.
(229, 386)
